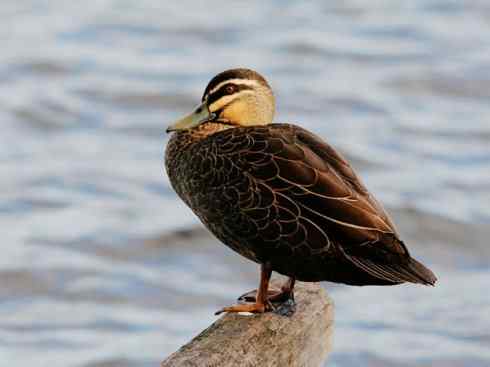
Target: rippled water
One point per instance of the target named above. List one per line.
(92, 272)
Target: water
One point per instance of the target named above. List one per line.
(99, 267)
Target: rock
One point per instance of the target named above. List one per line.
(301, 339)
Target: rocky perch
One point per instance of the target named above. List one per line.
(270, 339)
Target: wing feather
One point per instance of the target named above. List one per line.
(303, 193)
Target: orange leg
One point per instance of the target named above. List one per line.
(261, 303)
(273, 295)
(287, 290)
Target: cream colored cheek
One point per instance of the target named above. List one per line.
(237, 112)
(220, 103)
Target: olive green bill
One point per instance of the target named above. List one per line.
(201, 114)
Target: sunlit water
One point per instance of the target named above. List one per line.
(90, 272)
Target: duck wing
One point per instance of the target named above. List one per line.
(303, 194)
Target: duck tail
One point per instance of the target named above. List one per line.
(422, 273)
(408, 270)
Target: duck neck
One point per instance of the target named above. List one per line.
(208, 128)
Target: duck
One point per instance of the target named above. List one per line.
(281, 196)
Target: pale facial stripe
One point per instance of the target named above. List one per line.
(249, 82)
(223, 101)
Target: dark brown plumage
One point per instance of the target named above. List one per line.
(279, 195)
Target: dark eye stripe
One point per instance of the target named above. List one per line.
(240, 73)
(213, 97)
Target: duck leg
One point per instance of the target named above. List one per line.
(273, 295)
(287, 291)
(260, 303)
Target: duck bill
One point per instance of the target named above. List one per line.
(200, 115)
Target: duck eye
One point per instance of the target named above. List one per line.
(230, 89)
